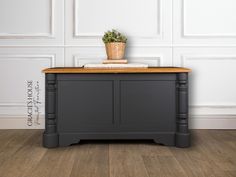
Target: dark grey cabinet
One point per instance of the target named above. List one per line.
(116, 106)
(84, 105)
(147, 105)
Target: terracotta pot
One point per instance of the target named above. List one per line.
(115, 50)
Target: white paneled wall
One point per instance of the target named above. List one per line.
(204, 22)
(199, 34)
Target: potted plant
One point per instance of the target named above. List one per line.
(115, 44)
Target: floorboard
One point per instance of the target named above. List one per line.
(212, 154)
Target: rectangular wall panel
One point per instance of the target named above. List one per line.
(212, 79)
(31, 22)
(16, 70)
(144, 22)
(17, 19)
(130, 17)
(204, 22)
(211, 85)
(22, 94)
(215, 18)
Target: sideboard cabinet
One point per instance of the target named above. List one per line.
(113, 104)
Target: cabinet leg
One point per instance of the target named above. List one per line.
(50, 140)
(182, 140)
(50, 136)
(182, 137)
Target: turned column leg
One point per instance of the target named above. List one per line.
(50, 136)
(182, 131)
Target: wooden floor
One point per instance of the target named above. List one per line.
(213, 153)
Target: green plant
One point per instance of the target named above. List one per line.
(113, 36)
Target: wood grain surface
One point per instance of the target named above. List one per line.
(212, 154)
(125, 70)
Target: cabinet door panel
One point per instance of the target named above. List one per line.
(85, 105)
(147, 105)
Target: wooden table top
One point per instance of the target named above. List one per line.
(117, 70)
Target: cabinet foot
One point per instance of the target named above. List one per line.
(68, 141)
(182, 140)
(50, 140)
(170, 141)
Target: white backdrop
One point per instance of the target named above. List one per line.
(199, 34)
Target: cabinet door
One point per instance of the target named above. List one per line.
(85, 105)
(147, 105)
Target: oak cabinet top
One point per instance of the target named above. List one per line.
(117, 70)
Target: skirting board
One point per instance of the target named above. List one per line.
(212, 122)
(19, 122)
(196, 122)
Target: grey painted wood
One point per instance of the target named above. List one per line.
(50, 136)
(182, 133)
(116, 106)
(147, 105)
(85, 105)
